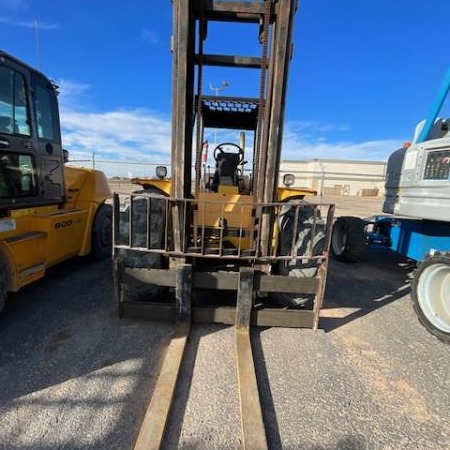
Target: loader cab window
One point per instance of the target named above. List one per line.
(14, 110)
(17, 175)
(46, 113)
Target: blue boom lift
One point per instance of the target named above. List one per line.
(418, 197)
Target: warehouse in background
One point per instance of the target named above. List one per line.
(327, 176)
(338, 177)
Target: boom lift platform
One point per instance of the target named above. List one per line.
(228, 231)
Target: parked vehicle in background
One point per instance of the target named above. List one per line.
(48, 212)
(417, 200)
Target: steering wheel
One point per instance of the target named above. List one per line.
(220, 149)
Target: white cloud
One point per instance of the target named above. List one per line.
(12, 4)
(124, 135)
(142, 137)
(29, 24)
(310, 126)
(72, 95)
(149, 36)
(301, 146)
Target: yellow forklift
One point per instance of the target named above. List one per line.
(232, 229)
(49, 212)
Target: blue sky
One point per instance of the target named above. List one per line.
(364, 72)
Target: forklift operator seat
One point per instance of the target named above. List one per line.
(226, 170)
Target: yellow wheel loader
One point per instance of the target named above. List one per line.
(181, 239)
(48, 212)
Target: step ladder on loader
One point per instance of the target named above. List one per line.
(224, 231)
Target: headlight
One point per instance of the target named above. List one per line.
(288, 179)
(161, 171)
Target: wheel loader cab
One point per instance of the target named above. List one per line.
(42, 224)
(31, 156)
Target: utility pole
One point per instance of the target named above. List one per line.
(217, 89)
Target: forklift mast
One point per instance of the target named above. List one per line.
(263, 115)
(261, 245)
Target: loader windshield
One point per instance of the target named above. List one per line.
(14, 116)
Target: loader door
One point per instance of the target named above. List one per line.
(48, 135)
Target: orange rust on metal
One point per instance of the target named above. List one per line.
(254, 436)
(260, 146)
(155, 420)
(323, 270)
(320, 292)
(234, 11)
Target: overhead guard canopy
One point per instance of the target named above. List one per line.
(230, 112)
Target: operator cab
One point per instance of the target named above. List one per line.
(31, 155)
(230, 114)
(227, 171)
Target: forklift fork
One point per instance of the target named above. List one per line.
(251, 415)
(151, 434)
(152, 430)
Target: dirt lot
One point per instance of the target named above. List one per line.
(345, 205)
(73, 376)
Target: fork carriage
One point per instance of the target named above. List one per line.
(218, 236)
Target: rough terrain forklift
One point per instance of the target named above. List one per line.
(48, 212)
(232, 230)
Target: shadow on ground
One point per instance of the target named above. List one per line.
(66, 327)
(382, 277)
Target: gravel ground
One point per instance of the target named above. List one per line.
(73, 376)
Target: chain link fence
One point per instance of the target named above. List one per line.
(348, 182)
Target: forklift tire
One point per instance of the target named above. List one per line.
(430, 293)
(347, 239)
(139, 291)
(3, 282)
(101, 240)
(299, 268)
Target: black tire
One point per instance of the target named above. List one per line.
(347, 239)
(142, 210)
(3, 282)
(430, 293)
(299, 268)
(101, 239)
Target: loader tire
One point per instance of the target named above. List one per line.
(347, 239)
(3, 282)
(139, 291)
(299, 268)
(430, 293)
(101, 240)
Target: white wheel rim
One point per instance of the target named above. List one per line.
(433, 294)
